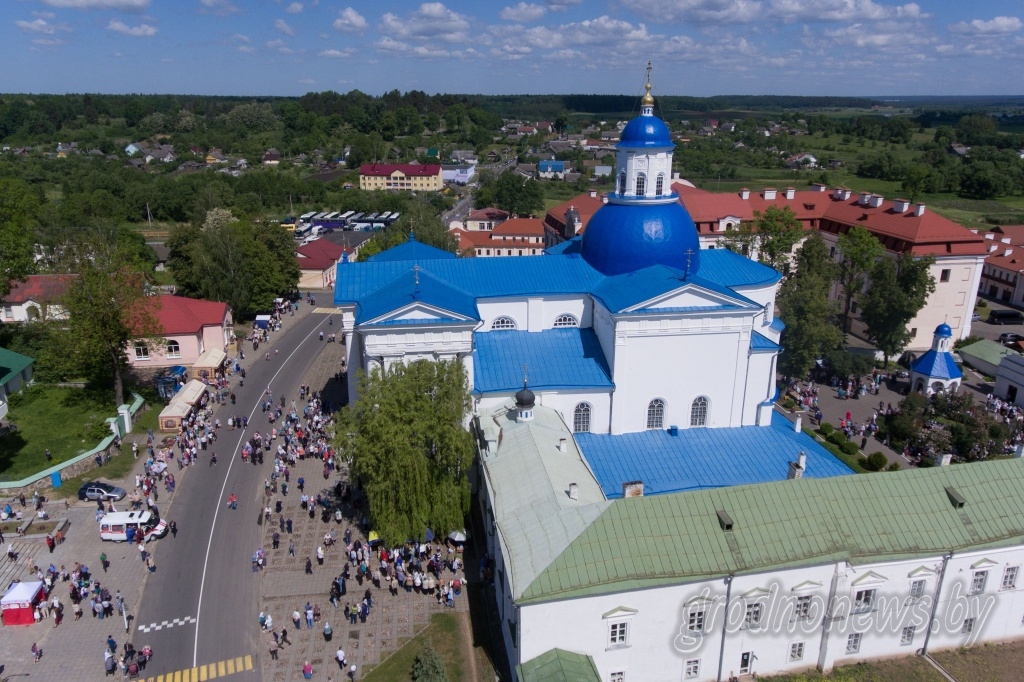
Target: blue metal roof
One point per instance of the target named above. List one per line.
(551, 166)
(624, 238)
(574, 245)
(700, 458)
(411, 250)
(777, 324)
(628, 289)
(554, 359)
(937, 365)
(762, 344)
(645, 132)
(733, 270)
(416, 286)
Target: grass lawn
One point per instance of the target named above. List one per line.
(986, 663)
(68, 421)
(443, 633)
(910, 669)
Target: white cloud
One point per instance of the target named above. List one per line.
(307, 81)
(124, 5)
(41, 26)
(388, 44)
(140, 31)
(511, 51)
(48, 42)
(240, 38)
(561, 5)
(747, 11)
(996, 26)
(523, 12)
(44, 15)
(432, 21)
(891, 37)
(246, 49)
(350, 21)
(293, 8)
(220, 7)
(337, 54)
(718, 11)
(279, 46)
(282, 26)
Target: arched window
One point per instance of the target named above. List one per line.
(641, 184)
(656, 414)
(581, 418)
(699, 412)
(503, 323)
(173, 349)
(622, 182)
(659, 186)
(566, 320)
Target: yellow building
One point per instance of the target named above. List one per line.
(402, 176)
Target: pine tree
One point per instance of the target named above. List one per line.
(429, 666)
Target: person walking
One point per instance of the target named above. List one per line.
(309, 616)
(307, 669)
(339, 656)
(284, 637)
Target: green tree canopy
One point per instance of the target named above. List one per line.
(19, 205)
(772, 235)
(510, 192)
(429, 666)
(859, 249)
(408, 449)
(421, 220)
(899, 289)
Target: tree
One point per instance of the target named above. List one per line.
(899, 289)
(772, 235)
(804, 305)
(408, 449)
(418, 219)
(429, 666)
(109, 307)
(511, 192)
(859, 250)
(914, 182)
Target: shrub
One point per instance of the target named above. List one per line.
(826, 429)
(788, 404)
(837, 438)
(876, 461)
(429, 666)
(895, 466)
(982, 303)
(850, 448)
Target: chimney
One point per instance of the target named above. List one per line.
(799, 425)
(675, 176)
(574, 491)
(604, 199)
(1005, 240)
(769, 193)
(919, 210)
(744, 194)
(865, 197)
(797, 468)
(900, 205)
(593, 194)
(844, 193)
(673, 430)
(876, 200)
(790, 192)
(819, 187)
(993, 248)
(633, 489)
(801, 459)
(563, 445)
(1007, 252)
(990, 235)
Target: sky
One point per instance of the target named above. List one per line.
(698, 47)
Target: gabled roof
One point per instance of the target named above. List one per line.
(408, 169)
(520, 227)
(180, 315)
(39, 288)
(649, 541)
(987, 351)
(12, 364)
(319, 255)
(584, 204)
(622, 292)
(412, 249)
(558, 665)
(416, 286)
(554, 358)
(936, 365)
(489, 213)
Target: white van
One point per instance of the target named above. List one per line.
(114, 526)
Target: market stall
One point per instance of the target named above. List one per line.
(19, 604)
(263, 321)
(208, 363)
(192, 394)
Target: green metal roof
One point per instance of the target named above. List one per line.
(12, 364)
(989, 351)
(676, 538)
(558, 665)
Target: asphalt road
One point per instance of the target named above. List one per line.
(205, 572)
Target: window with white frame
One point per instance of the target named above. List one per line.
(864, 600)
(618, 634)
(581, 418)
(802, 608)
(967, 627)
(699, 412)
(566, 321)
(1010, 578)
(907, 636)
(622, 182)
(853, 643)
(659, 184)
(917, 589)
(504, 322)
(656, 414)
(978, 581)
(173, 349)
(695, 621)
(754, 613)
(691, 670)
(618, 676)
(796, 651)
(141, 351)
(641, 184)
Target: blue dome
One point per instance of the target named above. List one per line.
(944, 330)
(625, 238)
(645, 132)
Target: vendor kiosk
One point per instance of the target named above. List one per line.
(19, 604)
(208, 363)
(182, 404)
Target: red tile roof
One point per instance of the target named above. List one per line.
(1014, 262)
(488, 214)
(1014, 232)
(40, 288)
(180, 315)
(584, 203)
(319, 255)
(520, 227)
(408, 169)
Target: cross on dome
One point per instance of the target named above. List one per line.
(647, 103)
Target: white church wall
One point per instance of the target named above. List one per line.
(760, 386)
(492, 308)
(564, 402)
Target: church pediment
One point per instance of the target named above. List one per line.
(419, 313)
(690, 297)
(870, 578)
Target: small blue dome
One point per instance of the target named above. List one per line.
(645, 132)
(626, 238)
(944, 330)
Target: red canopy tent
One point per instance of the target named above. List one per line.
(20, 602)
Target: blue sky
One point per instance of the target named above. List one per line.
(699, 47)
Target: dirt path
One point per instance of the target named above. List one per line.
(466, 644)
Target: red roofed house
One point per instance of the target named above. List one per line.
(318, 261)
(485, 219)
(901, 227)
(422, 177)
(196, 333)
(34, 299)
(515, 237)
(1001, 278)
(570, 218)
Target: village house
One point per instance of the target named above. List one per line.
(194, 333)
(401, 176)
(37, 298)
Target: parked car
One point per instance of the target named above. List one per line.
(1009, 337)
(975, 317)
(95, 490)
(1005, 317)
